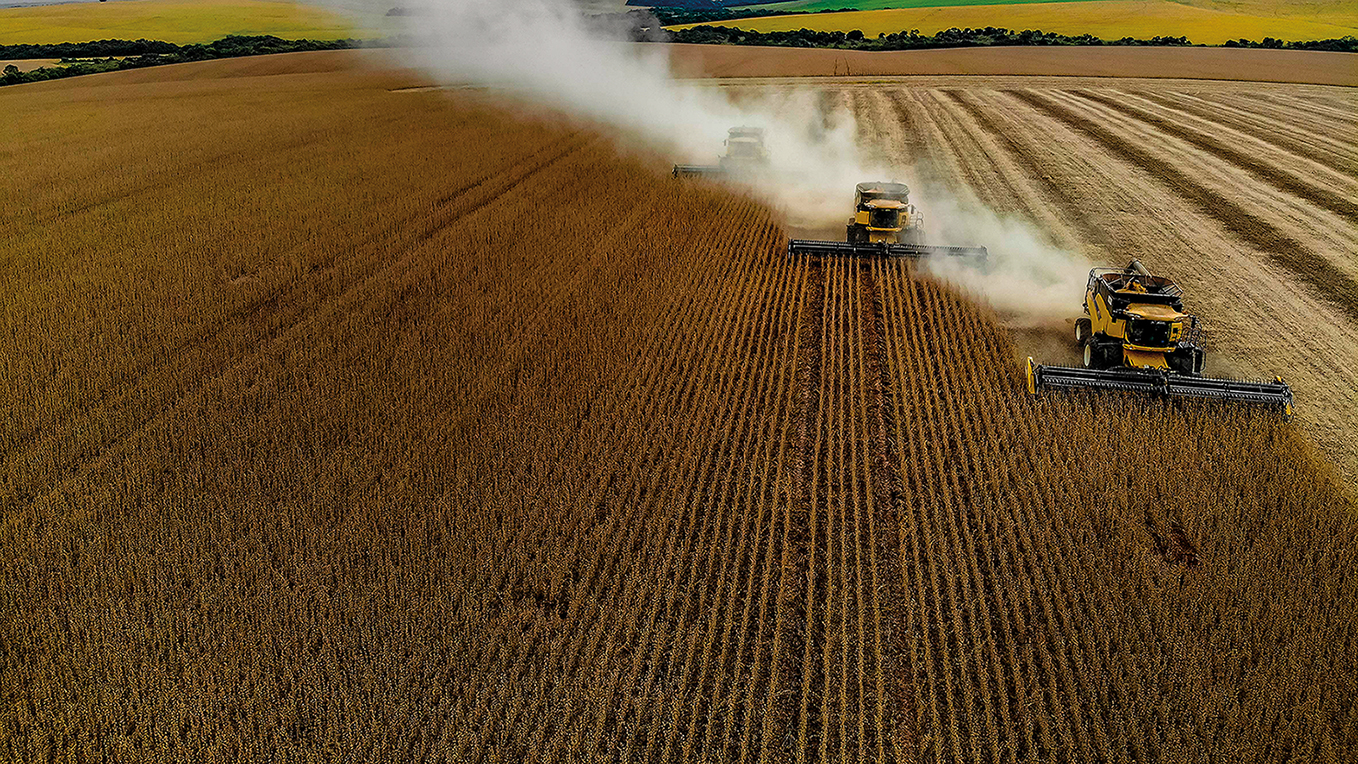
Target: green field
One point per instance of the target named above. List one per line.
(1342, 12)
(811, 6)
(1108, 19)
(177, 21)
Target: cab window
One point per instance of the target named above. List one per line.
(883, 218)
(1147, 333)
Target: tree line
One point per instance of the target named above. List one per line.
(111, 55)
(958, 38)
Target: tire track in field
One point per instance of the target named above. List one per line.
(1338, 117)
(287, 293)
(308, 312)
(1054, 191)
(1275, 136)
(1279, 179)
(1282, 249)
(956, 142)
(887, 494)
(913, 140)
(780, 732)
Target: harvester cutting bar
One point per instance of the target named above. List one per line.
(1276, 393)
(697, 170)
(884, 249)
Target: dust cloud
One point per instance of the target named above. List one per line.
(1029, 282)
(547, 52)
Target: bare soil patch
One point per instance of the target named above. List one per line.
(1314, 67)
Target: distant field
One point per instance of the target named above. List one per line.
(177, 21)
(1341, 12)
(1109, 19)
(811, 6)
(29, 64)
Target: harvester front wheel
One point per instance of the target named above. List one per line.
(1098, 355)
(1083, 330)
(1187, 361)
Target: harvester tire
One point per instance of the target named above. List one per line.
(1097, 355)
(1083, 330)
(1187, 361)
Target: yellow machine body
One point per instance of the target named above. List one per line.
(746, 156)
(884, 220)
(883, 214)
(1148, 332)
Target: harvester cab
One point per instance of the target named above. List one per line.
(883, 214)
(1136, 337)
(884, 224)
(745, 155)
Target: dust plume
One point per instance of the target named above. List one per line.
(1026, 280)
(548, 52)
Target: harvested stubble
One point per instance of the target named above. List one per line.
(310, 452)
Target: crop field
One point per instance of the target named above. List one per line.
(1108, 19)
(309, 451)
(177, 21)
(29, 64)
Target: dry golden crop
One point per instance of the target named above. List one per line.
(348, 423)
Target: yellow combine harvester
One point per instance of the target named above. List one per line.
(1136, 337)
(745, 155)
(884, 224)
(883, 213)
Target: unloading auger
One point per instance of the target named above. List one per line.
(1136, 338)
(884, 224)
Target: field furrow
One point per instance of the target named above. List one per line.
(1303, 223)
(1284, 135)
(1340, 202)
(1313, 269)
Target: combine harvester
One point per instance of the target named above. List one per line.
(884, 224)
(745, 156)
(1137, 338)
